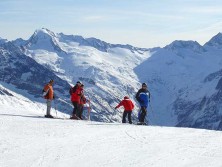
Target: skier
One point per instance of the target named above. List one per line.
(82, 102)
(75, 93)
(49, 96)
(143, 97)
(128, 107)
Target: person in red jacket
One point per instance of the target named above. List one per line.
(128, 107)
(75, 93)
(49, 96)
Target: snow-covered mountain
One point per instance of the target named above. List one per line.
(107, 73)
(184, 77)
(25, 76)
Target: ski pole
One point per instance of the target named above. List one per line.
(55, 108)
(89, 105)
(116, 113)
(89, 110)
(151, 108)
(147, 118)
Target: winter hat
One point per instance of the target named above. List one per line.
(144, 84)
(51, 81)
(78, 82)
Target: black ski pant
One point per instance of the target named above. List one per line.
(125, 113)
(143, 114)
(76, 108)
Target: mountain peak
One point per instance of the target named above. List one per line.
(3, 40)
(44, 38)
(179, 44)
(215, 41)
(44, 33)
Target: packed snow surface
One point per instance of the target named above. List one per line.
(28, 139)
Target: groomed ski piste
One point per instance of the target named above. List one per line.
(27, 139)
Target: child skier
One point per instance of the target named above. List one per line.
(128, 107)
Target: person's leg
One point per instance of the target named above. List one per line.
(49, 105)
(124, 117)
(139, 115)
(75, 109)
(129, 117)
(80, 111)
(143, 114)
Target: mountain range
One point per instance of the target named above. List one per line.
(184, 77)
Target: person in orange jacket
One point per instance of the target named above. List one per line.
(128, 108)
(49, 96)
(75, 93)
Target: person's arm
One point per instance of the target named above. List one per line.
(84, 99)
(120, 104)
(137, 95)
(45, 90)
(149, 95)
(70, 90)
(132, 105)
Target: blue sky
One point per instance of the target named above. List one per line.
(143, 23)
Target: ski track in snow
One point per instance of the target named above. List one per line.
(28, 140)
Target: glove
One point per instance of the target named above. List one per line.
(115, 107)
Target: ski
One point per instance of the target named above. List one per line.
(56, 118)
(141, 123)
(75, 117)
(48, 116)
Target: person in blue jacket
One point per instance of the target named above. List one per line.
(143, 97)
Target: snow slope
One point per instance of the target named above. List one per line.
(27, 139)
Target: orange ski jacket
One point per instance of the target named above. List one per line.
(49, 92)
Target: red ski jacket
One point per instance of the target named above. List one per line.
(76, 93)
(127, 104)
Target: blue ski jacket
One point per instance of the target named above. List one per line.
(143, 97)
